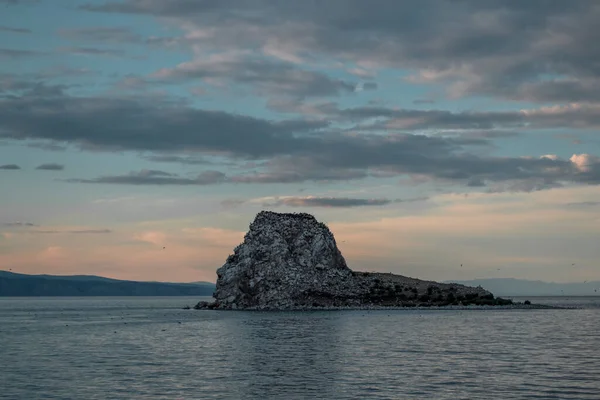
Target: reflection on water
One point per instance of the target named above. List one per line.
(149, 348)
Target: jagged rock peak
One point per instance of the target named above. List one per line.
(282, 257)
(270, 215)
(288, 224)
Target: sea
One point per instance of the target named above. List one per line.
(151, 348)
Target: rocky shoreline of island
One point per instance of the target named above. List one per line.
(516, 306)
(203, 305)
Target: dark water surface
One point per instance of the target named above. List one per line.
(149, 348)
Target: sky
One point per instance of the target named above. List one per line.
(441, 140)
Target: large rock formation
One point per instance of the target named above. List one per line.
(291, 261)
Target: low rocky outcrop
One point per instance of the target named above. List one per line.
(291, 261)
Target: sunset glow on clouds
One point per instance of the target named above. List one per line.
(139, 138)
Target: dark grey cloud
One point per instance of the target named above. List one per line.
(527, 185)
(386, 160)
(10, 167)
(267, 76)
(490, 134)
(411, 155)
(39, 84)
(46, 113)
(16, 2)
(334, 202)
(569, 116)
(146, 7)
(475, 182)
(10, 29)
(414, 158)
(34, 90)
(423, 101)
(19, 224)
(101, 34)
(62, 72)
(154, 177)
(537, 50)
(188, 160)
(51, 167)
(289, 151)
(296, 172)
(47, 146)
(12, 85)
(289, 105)
(151, 125)
(498, 47)
(17, 53)
(560, 90)
(91, 51)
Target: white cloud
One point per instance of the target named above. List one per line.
(583, 162)
(550, 156)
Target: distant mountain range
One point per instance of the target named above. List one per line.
(12, 284)
(519, 287)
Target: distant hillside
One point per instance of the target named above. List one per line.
(12, 284)
(519, 287)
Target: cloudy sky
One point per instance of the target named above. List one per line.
(427, 134)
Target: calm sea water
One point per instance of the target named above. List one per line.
(149, 348)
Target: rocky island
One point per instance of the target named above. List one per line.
(290, 261)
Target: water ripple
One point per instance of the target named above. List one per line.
(150, 349)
